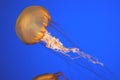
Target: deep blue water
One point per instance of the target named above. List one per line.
(91, 24)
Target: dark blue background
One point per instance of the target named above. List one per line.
(91, 24)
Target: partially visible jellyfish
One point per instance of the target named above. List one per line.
(31, 28)
(50, 76)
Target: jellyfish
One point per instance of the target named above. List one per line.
(31, 28)
(50, 76)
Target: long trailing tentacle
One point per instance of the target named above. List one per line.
(54, 44)
(54, 25)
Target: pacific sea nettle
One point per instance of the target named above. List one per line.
(31, 28)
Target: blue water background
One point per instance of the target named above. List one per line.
(91, 24)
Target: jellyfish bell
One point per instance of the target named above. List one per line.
(31, 28)
(50, 76)
(31, 24)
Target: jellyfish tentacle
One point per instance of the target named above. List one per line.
(54, 25)
(87, 56)
(61, 74)
(54, 44)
